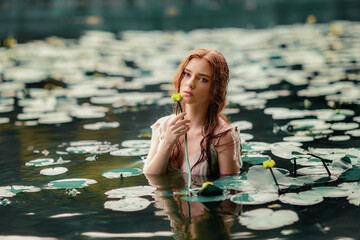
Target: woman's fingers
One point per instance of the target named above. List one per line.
(179, 116)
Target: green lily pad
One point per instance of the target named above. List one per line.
(254, 198)
(352, 174)
(53, 171)
(332, 192)
(127, 152)
(21, 188)
(101, 125)
(136, 143)
(71, 183)
(129, 204)
(354, 198)
(136, 191)
(266, 219)
(122, 172)
(306, 198)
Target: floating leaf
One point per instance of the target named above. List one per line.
(4, 120)
(53, 171)
(6, 192)
(242, 125)
(136, 191)
(286, 151)
(299, 139)
(352, 174)
(71, 183)
(21, 188)
(92, 147)
(339, 138)
(333, 192)
(40, 162)
(354, 198)
(136, 143)
(130, 204)
(306, 198)
(344, 126)
(122, 172)
(254, 198)
(127, 152)
(101, 125)
(266, 219)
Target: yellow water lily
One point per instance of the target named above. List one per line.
(176, 97)
(269, 163)
(206, 183)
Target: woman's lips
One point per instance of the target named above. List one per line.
(187, 93)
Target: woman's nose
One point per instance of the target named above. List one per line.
(191, 82)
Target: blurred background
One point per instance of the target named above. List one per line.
(35, 19)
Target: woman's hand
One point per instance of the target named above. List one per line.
(176, 128)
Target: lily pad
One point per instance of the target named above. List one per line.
(266, 219)
(254, 198)
(40, 162)
(92, 147)
(332, 192)
(299, 139)
(122, 172)
(242, 125)
(306, 198)
(136, 191)
(6, 191)
(4, 120)
(101, 125)
(354, 133)
(339, 138)
(53, 171)
(129, 204)
(127, 152)
(344, 126)
(136, 143)
(71, 183)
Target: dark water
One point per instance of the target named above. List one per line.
(331, 219)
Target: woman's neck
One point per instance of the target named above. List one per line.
(197, 115)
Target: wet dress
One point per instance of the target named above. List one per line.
(201, 167)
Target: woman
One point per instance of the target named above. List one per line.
(214, 148)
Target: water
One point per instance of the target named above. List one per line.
(167, 216)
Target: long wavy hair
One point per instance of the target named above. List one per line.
(219, 81)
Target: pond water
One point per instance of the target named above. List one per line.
(75, 126)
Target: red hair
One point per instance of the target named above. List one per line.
(219, 81)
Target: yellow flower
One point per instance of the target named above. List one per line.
(269, 163)
(206, 183)
(176, 97)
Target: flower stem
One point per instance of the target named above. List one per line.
(186, 154)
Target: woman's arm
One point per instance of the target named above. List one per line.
(226, 153)
(158, 157)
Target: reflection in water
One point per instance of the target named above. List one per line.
(192, 220)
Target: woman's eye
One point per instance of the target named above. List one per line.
(203, 80)
(186, 74)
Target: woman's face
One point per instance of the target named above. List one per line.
(196, 83)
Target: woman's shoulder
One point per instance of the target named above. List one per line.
(222, 127)
(162, 122)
